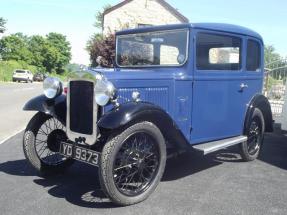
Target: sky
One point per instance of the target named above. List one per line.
(75, 18)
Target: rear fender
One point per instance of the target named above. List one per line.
(261, 102)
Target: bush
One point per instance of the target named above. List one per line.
(7, 68)
(104, 47)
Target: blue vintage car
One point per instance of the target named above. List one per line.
(173, 88)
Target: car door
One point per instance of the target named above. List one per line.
(254, 69)
(218, 109)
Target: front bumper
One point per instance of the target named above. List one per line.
(19, 79)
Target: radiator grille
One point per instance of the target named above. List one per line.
(81, 106)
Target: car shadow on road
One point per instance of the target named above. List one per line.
(17, 167)
(80, 185)
(274, 150)
(191, 162)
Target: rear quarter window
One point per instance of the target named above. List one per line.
(218, 52)
(253, 60)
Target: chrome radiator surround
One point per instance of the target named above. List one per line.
(75, 136)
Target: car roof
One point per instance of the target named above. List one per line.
(229, 28)
(25, 70)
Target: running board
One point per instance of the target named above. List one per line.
(213, 146)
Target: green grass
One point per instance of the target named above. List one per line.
(7, 68)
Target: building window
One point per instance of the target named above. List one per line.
(144, 25)
(218, 52)
(253, 56)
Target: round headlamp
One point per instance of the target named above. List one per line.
(52, 87)
(104, 91)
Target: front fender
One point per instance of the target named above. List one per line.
(134, 112)
(55, 107)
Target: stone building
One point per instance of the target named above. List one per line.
(140, 13)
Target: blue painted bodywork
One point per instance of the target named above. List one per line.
(205, 105)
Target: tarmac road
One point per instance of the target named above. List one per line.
(219, 183)
(216, 184)
(13, 96)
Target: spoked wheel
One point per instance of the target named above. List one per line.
(132, 163)
(41, 144)
(255, 135)
(136, 164)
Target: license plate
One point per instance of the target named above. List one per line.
(80, 154)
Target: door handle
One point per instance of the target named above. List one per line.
(242, 86)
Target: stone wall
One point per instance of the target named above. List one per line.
(136, 12)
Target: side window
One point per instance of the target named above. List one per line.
(253, 56)
(218, 52)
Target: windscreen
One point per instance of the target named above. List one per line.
(165, 48)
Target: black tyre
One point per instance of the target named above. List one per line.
(41, 144)
(255, 134)
(132, 163)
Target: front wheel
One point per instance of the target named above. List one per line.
(255, 134)
(41, 144)
(132, 163)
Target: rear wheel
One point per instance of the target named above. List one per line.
(255, 134)
(41, 144)
(132, 163)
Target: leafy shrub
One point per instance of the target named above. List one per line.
(102, 46)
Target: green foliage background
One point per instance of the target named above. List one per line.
(49, 54)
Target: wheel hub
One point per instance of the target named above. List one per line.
(54, 139)
(254, 138)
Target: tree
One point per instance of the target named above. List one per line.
(2, 25)
(49, 54)
(100, 16)
(14, 47)
(63, 47)
(51, 60)
(271, 58)
(40, 49)
(102, 46)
